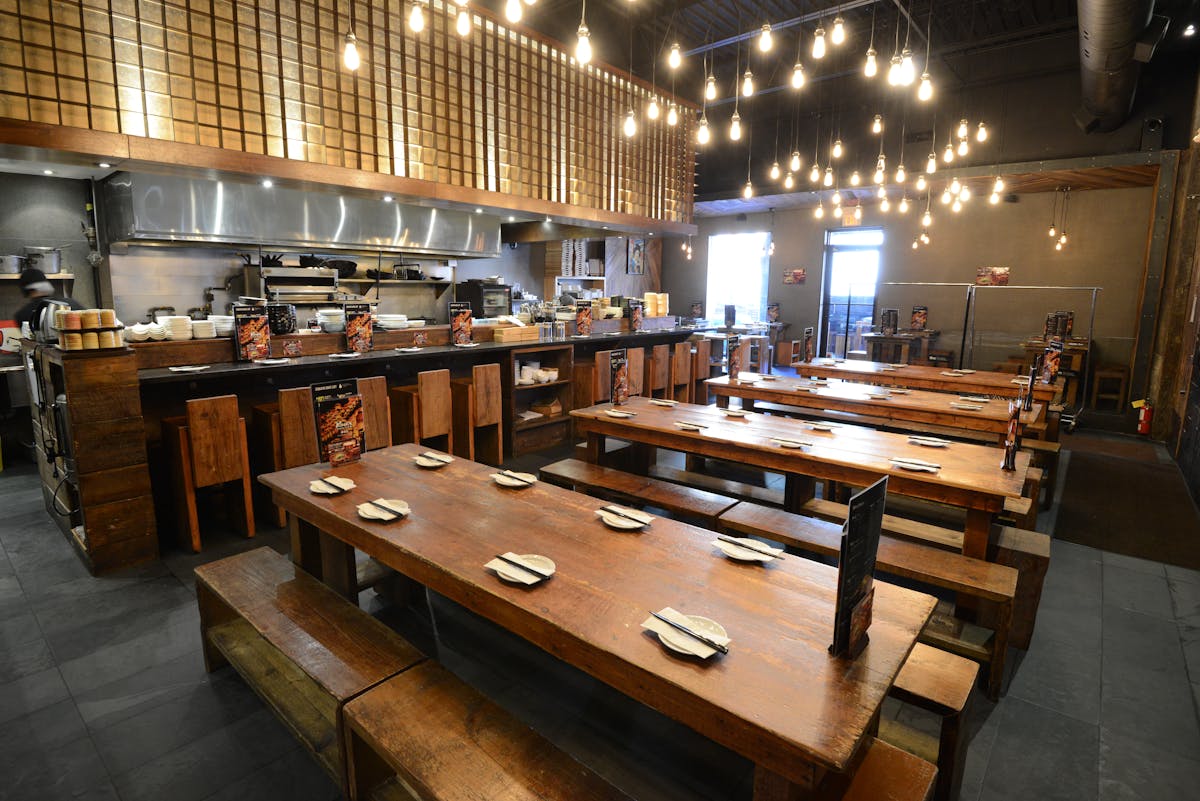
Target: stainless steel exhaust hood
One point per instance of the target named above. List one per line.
(141, 207)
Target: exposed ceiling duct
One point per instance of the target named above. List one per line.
(1115, 38)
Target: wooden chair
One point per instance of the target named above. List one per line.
(701, 370)
(422, 413)
(207, 448)
(637, 366)
(658, 372)
(1109, 384)
(681, 372)
(477, 409)
(601, 378)
(759, 354)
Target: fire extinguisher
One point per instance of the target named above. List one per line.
(1145, 415)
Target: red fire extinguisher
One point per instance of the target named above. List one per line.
(1145, 415)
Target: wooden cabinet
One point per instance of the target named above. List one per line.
(552, 399)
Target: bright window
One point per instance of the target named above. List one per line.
(737, 274)
(851, 272)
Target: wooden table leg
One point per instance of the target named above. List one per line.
(976, 533)
(595, 447)
(722, 401)
(797, 490)
(770, 786)
(337, 567)
(642, 456)
(748, 404)
(306, 546)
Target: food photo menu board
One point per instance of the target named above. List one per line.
(460, 323)
(856, 570)
(252, 333)
(359, 327)
(341, 426)
(583, 318)
(618, 368)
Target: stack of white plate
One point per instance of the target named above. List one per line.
(223, 324)
(143, 332)
(177, 326)
(392, 321)
(332, 320)
(204, 329)
(416, 323)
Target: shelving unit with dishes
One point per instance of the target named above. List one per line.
(536, 414)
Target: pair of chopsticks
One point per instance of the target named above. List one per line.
(527, 568)
(716, 646)
(746, 545)
(396, 513)
(613, 510)
(919, 462)
(437, 457)
(515, 477)
(336, 489)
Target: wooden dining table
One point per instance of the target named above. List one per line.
(777, 697)
(916, 406)
(969, 476)
(918, 376)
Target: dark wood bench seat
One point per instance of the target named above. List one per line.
(303, 648)
(425, 734)
(886, 773)
(993, 583)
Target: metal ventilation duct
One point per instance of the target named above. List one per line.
(166, 208)
(1115, 38)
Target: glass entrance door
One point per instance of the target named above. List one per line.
(851, 273)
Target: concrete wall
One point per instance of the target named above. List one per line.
(1107, 229)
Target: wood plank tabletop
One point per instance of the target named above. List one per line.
(914, 406)
(777, 697)
(917, 376)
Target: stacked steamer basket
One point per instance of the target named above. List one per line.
(90, 329)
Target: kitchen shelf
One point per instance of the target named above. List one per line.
(579, 278)
(519, 387)
(49, 277)
(538, 422)
(392, 281)
(543, 432)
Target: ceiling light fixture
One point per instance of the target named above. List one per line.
(829, 176)
(814, 174)
(1190, 30)
(630, 127)
(652, 110)
(512, 10)
(798, 76)
(416, 17)
(735, 126)
(710, 88)
(267, 183)
(672, 115)
(838, 36)
(674, 58)
(837, 149)
(818, 48)
(765, 42)
(389, 199)
(463, 24)
(877, 124)
(901, 175)
(702, 132)
(931, 163)
(871, 67)
(774, 172)
(948, 153)
(794, 164)
(903, 207)
(963, 148)
(819, 211)
(583, 45)
(962, 129)
(921, 182)
(855, 178)
(350, 57)
(981, 133)
(788, 181)
(748, 84)
(748, 190)
(104, 165)
(925, 90)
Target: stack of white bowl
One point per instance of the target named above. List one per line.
(223, 324)
(332, 320)
(392, 321)
(144, 332)
(204, 329)
(177, 326)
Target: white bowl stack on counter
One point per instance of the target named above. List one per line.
(392, 321)
(332, 320)
(178, 327)
(204, 329)
(222, 324)
(145, 332)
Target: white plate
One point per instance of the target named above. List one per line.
(689, 426)
(916, 468)
(823, 426)
(974, 399)
(616, 521)
(661, 402)
(409, 350)
(967, 407)
(734, 412)
(790, 443)
(770, 378)
(681, 643)
(428, 463)
(344, 355)
(620, 414)
(466, 344)
(901, 391)
(879, 395)
(744, 554)
(516, 483)
(898, 365)
(509, 573)
(320, 488)
(964, 371)
(368, 512)
(929, 443)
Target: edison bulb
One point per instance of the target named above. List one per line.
(652, 110)
(955, 186)
(901, 175)
(710, 88)
(512, 10)
(908, 72)
(931, 164)
(837, 198)
(838, 34)
(819, 211)
(858, 212)
(747, 84)
(871, 67)
(965, 194)
(946, 196)
(630, 127)
(837, 211)
(788, 181)
(948, 153)
(963, 147)
(855, 179)
(998, 187)
(884, 205)
(818, 50)
(925, 90)
(748, 190)
(829, 176)
(921, 183)
(878, 176)
(463, 24)
(881, 193)
(764, 39)
(416, 18)
(702, 132)
(1063, 239)
(350, 56)
(814, 174)
(675, 58)
(962, 130)
(735, 126)
(903, 207)
(794, 164)
(956, 206)
(798, 76)
(927, 219)
(914, 244)
(994, 198)
(837, 149)
(924, 240)
(1058, 245)
(981, 133)
(877, 124)
(672, 116)
(894, 71)
(774, 173)
(583, 46)
(1053, 232)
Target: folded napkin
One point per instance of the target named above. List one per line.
(898, 365)
(521, 479)
(752, 549)
(625, 513)
(189, 368)
(690, 426)
(905, 461)
(515, 573)
(384, 509)
(790, 443)
(678, 638)
(966, 407)
(929, 441)
(438, 457)
(618, 413)
(662, 402)
(321, 488)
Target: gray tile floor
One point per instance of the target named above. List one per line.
(103, 694)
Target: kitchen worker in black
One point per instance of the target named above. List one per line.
(38, 291)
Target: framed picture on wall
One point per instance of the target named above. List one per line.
(636, 265)
(796, 276)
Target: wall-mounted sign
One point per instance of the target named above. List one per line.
(991, 276)
(796, 276)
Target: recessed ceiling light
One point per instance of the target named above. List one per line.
(47, 172)
(511, 218)
(104, 165)
(1190, 30)
(267, 183)
(479, 211)
(387, 198)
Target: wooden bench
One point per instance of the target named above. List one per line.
(635, 490)
(304, 649)
(885, 773)
(974, 578)
(424, 734)
(941, 683)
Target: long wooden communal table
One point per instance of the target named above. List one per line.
(778, 698)
(970, 476)
(916, 376)
(917, 406)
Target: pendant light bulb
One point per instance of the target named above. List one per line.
(794, 164)
(962, 129)
(855, 178)
(788, 181)
(837, 212)
(877, 124)
(885, 206)
(946, 196)
(908, 72)
(956, 206)
(350, 56)
(798, 76)
(837, 149)
(994, 198)
(512, 10)
(955, 186)
(748, 190)
(981, 133)
(675, 57)
(924, 240)
(710, 88)
(735, 126)
(925, 90)
(963, 147)
(765, 42)
(965, 194)
(894, 70)
(748, 84)
(630, 127)
(652, 110)
(1062, 240)
(774, 173)
(672, 116)
(998, 187)
(814, 174)
(818, 50)
(858, 212)
(463, 24)
(416, 17)
(1053, 232)
(702, 132)
(583, 46)
(838, 34)
(927, 219)
(871, 67)
(921, 182)
(1058, 245)
(901, 175)
(829, 176)
(948, 153)
(819, 211)
(878, 176)
(837, 198)
(915, 244)
(881, 193)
